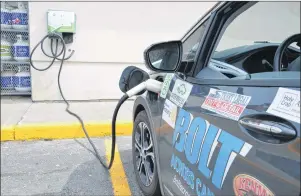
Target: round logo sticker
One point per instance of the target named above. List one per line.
(245, 185)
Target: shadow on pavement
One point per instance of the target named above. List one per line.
(90, 178)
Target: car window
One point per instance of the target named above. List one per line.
(190, 45)
(249, 40)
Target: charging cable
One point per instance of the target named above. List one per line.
(150, 85)
(55, 56)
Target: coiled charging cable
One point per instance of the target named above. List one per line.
(55, 56)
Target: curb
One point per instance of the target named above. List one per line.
(62, 131)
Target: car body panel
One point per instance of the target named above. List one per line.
(272, 164)
(269, 163)
(269, 167)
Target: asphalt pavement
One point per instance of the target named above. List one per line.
(66, 167)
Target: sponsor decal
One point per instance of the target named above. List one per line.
(169, 192)
(166, 83)
(169, 113)
(230, 105)
(181, 188)
(286, 104)
(197, 140)
(180, 92)
(246, 185)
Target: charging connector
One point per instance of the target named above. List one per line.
(150, 85)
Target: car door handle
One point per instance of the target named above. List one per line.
(275, 129)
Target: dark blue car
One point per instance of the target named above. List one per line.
(227, 120)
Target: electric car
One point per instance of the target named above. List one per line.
(227, 118)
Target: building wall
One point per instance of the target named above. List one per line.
(109, 37)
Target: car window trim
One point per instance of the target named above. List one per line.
(293, 83)
(201, 21)
(218, 19)
(208, 22)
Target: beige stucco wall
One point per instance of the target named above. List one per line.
(109, 37)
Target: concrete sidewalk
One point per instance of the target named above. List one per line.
(21, 119)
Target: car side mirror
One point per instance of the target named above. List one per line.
(131, 77)
(164, 56)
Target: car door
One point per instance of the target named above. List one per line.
(208, 151)
(230, 137)
(190, 44)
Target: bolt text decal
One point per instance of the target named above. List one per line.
(197, 140)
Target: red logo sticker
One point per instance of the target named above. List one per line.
(226, 103)
(245, 185)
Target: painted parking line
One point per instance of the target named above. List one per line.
(63, 130)
(118, 177)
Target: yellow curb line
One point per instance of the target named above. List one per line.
(118, 177)
(63, 131)
(7, 133)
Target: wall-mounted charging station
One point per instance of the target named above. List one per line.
(62, 22)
